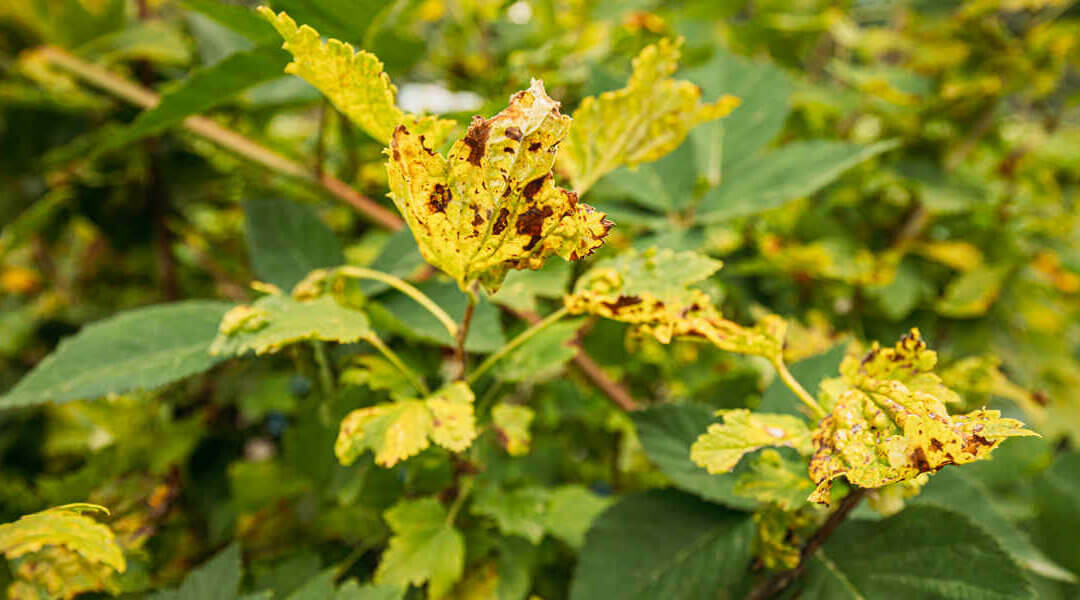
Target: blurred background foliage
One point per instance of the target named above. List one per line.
(893, 164)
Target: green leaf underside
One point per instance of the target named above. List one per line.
(287, 240)
(138, 349)
(922, 552)
(491, 205)
(425, 547)
(662, 544)
(273, 322)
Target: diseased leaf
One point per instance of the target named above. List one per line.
(353, 81)
(63, 526)
(639, 123)
(138, 349)
(55, 572)
(492, 204)
(889, 422)
(425, 547)
(275, 321)
(719, 449)
(511, 422)
(663, 544)
(399, 430)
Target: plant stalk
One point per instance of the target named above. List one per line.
(414, 378)
(463, 333)
(326, 382)
(405, 288)
(793, 384)
(513, 344)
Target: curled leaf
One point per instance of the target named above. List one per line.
(652, 290)
(719, 449)
(399, 430)
(511, 423)
(273, 322)
(352, 80)
(639, 123)
(889, 422)
(492, 205)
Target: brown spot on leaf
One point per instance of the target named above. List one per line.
(531, 222)
(918, 458)
(513, 133)
(533, 187)
(440, 198)
(500, 222)
(508, 150)
(622, 302)
(476, 139)
(531, 244)
(937, 445)
(533, 147)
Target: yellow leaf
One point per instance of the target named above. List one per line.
(512, 426)
(273, 322)
(639, 123)
(492, 204)
(353, 81)
(453, 422)
(399, 430)
(719, 449)
(889, 422)
(55, 572)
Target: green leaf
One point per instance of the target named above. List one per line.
(571, 511)
(520, 289)
(203, 90)
(721, 447)
(511, 423)
(138, 349)
(667, 432)
(972, 293)
(63, 526)
(425, 547)
(491, 205)
(639, 123)
(405, 315)
(340, 19)
(237, 18)
(774, 479)
(665, 185)
(663, 544)
(543, 356)
(353, 81)
(351, 590)
(516, 512)
(763, 91)
(796, 170)
(287, 240)
(273, 322)
(217, 579)
(953, 489)
(922, 552)
(1057, 496)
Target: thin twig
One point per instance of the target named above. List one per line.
(226, 138)
(779, 582)
(515, 343)
(462, 333)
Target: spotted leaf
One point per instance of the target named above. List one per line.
(639, 123)
(889, 422)
(511, 423)
(719, 449)
(352, 80)
(492, 205)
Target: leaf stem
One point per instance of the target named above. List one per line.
(459, 501)
(414, 378)
(463, 332)
(326, 381)
(797, 388)
(513, 344)
(406, 288)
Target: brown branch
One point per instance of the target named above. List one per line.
(226, 138)
(780, 581)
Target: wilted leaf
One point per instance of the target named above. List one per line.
(639, 123)
(425, 547)
(273, 322)
(398, 430)
(352, 80)
(889, 422)
(511, 423)
(719, 449)
(492, 204)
